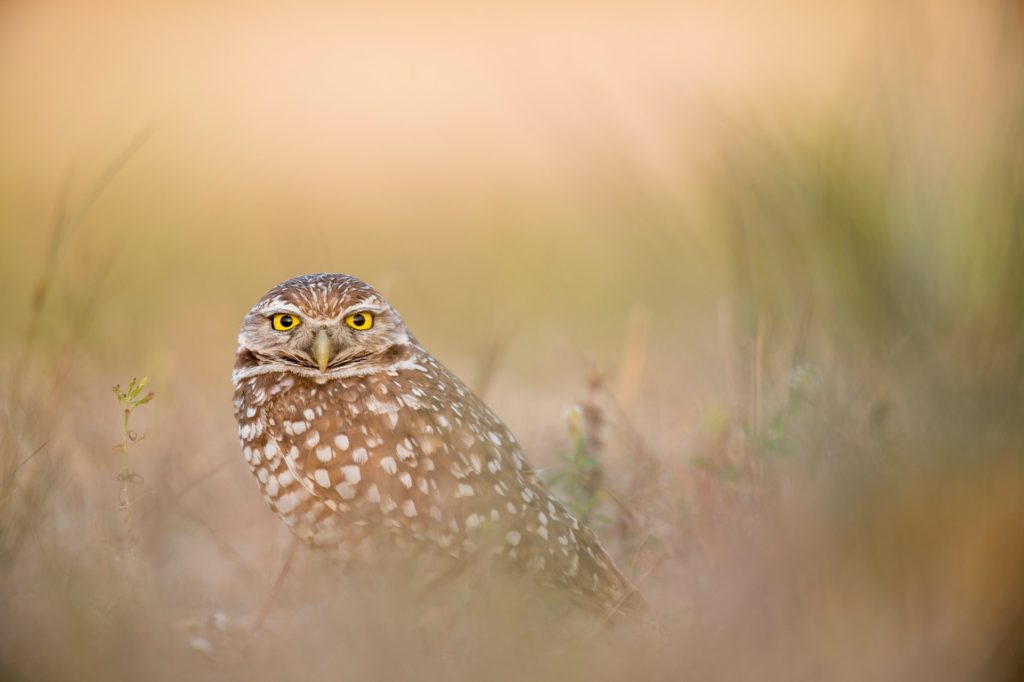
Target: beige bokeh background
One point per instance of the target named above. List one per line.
(706, 204)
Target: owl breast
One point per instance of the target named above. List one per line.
(409, 457)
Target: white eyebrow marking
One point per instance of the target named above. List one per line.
(370, 306)
(277, 307)
(281, 307)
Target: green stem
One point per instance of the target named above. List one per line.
(124, 473)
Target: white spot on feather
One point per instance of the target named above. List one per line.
(286, 502)
(351, 473)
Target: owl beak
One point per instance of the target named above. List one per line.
(323, 350)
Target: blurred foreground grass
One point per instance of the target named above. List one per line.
(800, 425)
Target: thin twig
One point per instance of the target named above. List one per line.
(491, 360)
(614, 609)
(202, 478)
(26, 460)
(223, 545)
(8, 482)
(265, 610)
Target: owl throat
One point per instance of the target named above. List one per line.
(250, 363)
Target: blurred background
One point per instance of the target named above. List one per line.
(759, 265)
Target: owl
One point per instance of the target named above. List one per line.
(359, 438)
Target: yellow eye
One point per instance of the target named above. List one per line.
(284, 321)
(359, 321)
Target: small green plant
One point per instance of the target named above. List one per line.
(128, 400)
(581, 473)
(777, 435)
(712, 456)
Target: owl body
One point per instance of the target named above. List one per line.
(366, 442)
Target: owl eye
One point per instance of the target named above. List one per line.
(283, 322)
(359, 321)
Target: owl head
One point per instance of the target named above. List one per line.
(321, 324)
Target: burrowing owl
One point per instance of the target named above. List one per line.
(358, 435)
